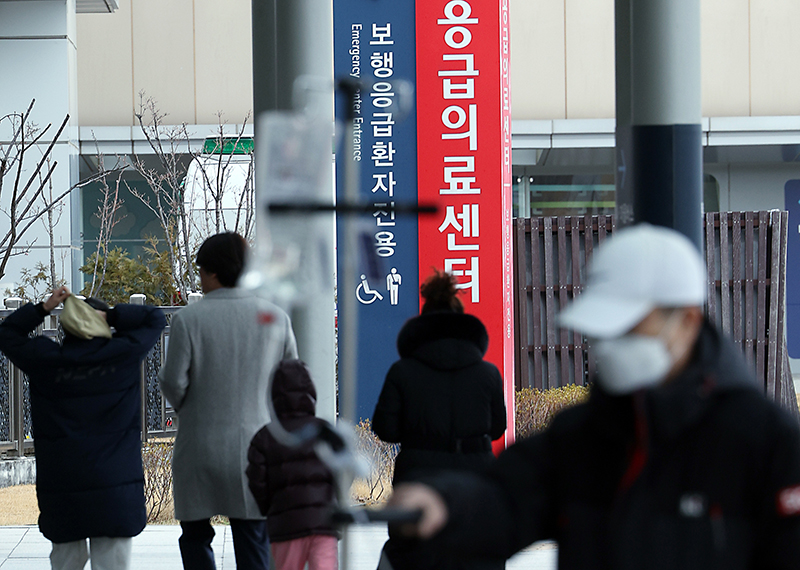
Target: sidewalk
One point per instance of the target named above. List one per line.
(24, 548)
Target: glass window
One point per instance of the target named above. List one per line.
(563, 195)
(710, 193)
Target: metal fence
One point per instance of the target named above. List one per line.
(746, 259)
(158, 418)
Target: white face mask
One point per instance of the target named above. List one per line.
(634, 361)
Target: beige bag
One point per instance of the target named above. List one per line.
(82, 321)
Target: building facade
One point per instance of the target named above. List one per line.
(194, 58)
(94, 59)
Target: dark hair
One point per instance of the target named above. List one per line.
(96, 304)
(223, 255)
(440, 293)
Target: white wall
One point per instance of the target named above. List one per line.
(562, 58)
(38, 58)
(752, 187)
(194, 57)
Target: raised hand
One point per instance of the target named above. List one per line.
(58, 296)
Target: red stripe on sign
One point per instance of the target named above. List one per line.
(464, 162)
(788, 501)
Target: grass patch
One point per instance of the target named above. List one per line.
(18, 505)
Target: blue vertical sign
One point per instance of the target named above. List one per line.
(792, 201)
(374, 42)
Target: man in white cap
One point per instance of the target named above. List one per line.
(676, 461)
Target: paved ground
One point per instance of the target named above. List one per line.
(24, 548)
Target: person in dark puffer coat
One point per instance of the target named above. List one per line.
(441, 401)
(292, 487)
(86, 417)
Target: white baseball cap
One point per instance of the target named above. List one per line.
(638, 269)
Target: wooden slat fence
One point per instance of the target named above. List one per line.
(551, 256)
(746, 257)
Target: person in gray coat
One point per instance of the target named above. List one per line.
(221, 353)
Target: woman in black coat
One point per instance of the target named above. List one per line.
(441, 401)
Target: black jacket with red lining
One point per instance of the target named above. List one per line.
(702, 473)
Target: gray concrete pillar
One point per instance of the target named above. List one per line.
(14, 303)
(140, 299)
(291, 39)
(659, 145)
(16, 422)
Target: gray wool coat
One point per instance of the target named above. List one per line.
(222, 351)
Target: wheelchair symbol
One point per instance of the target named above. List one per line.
(366, 295)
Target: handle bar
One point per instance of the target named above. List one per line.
(365, 516)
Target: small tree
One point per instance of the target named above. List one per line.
(28, 196)
(165, 198)
(35, 284)
(108, 215)
(214, 171)
(184, 227)
(50, 221)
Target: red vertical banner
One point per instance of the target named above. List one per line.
(464, 163)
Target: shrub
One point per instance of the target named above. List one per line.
(157, 462)
(35, 284)
(125, 275)
(381, 455)
(536, 408)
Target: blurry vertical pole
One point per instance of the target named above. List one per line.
(139, 299)
(294, 38)
(16, 396)
(659, 150)
(348, 321)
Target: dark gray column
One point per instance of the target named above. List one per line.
(291, 39)
(659, 149)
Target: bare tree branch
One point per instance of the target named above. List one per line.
(170, 193)
(15, 234)
(41, 163)
(107, 213)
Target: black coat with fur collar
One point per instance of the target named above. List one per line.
(439, 393)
